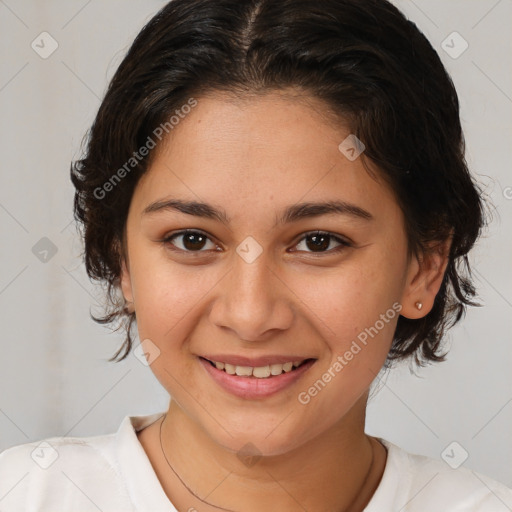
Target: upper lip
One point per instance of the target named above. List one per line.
(254, 362)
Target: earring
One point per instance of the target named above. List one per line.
(419, 305)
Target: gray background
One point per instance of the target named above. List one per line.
(54, 377)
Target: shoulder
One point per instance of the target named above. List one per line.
(426, 484)
(61, 471)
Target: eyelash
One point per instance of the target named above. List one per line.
(167, 241)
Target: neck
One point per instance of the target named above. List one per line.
(338, 470)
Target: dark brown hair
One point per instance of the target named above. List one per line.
(362, 58)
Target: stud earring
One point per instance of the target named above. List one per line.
(419, 305)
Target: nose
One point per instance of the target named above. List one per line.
(253, 301)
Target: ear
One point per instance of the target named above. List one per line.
(424, 278)
(126, 282)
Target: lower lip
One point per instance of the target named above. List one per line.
(251, 387)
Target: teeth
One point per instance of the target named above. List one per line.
(229, 368)
(260, 372)
(243, 371)
(287, 367)
(276, 369)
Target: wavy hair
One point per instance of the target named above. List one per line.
(369, 65)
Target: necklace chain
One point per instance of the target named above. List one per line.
(179, 478)
(229, 510)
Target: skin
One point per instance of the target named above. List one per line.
(253, 157)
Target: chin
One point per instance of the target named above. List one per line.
(268, 442)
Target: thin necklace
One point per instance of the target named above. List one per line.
(179, 478)
(228, 509)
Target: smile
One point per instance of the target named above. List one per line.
(255, 382)
(260, 372)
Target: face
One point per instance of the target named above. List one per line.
(253, 283)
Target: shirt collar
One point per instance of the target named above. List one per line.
(143, 485)
(147, 493)
(393, 488)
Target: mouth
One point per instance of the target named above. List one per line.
(256, 382)
(258, 372)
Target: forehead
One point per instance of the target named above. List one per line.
(260, 151)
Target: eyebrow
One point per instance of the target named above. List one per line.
(290, 214)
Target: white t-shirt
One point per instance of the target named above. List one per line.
(112, 473)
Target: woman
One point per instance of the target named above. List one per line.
(279, 192)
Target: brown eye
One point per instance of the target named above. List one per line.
(189, 241)
(320, 242)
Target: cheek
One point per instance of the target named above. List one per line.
(355, 314)
(170, 301)
(163, 291)
(164, 301)
(353, 299)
